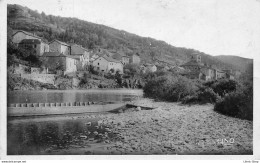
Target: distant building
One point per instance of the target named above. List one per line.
(20, 35)
(38, 47)
(55, 61)
(120, 56)
(197, 70)
(148, 68)
(135, 58)
(106, 64)
(60, 47)
(82, 53)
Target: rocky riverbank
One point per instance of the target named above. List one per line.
(171, 128)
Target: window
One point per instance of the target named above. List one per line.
(97, 63)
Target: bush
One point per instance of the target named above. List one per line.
(207, 96)
(202, 96)
(190, 99)
(169, 88)
(238, 103)
(222, 86)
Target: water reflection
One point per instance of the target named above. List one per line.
(34, 138)
(71, 96)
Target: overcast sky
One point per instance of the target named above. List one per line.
(216, 27)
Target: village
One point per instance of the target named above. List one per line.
(80, 88)
(60, 58)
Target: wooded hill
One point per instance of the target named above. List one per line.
(91, 35)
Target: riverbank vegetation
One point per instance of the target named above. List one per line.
(230, 97)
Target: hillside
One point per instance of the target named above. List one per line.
(237, 62)
(92, 36)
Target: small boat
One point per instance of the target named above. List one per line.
(39, 110)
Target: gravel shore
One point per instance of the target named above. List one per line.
(173, 128)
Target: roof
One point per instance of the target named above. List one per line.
(122, 54)
(109, 59)
(30, 41)
(73, 56)
(30, 34)
(63, 43)
(80, 46)
(148, 64)
(51, 54)
(192, 63)
(27, 33)
(57, 54)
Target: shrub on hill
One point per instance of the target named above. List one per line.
(169, 88)
(223, 86)
(238, 103)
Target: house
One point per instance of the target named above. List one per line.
(55, 61)
(207, 73)
(195, 69)
(96, 54)
(135, 58)
(60, 47)
(105, 63)
(219, 74)
(20, 35)
(147, 67)
(82, 53)
(120, 56)
(38, 47)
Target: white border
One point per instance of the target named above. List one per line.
(3, 124)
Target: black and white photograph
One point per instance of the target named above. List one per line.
(131, 77)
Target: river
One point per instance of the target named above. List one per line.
(40, 134)
(53, 96)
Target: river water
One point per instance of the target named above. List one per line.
(53, 96)
(45, 134)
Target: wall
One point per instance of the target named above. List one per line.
(135, 59)
(44, 78)
(125, 60)
(65, 50)
(55, 47)
(43, 48)
(53, 62)
(116, 66)
(76, 49)
(71, 65)
(101, 64)
(20, 69)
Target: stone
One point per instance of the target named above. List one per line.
(83, 137)
(99, 123)
(88, 124)
(138, 108)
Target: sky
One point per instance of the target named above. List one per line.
(216, 27)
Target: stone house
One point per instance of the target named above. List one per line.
(106, 64)
(120, 56)
(148, 68)
(38, 47)
(20, 35)
(135, 58)
(55, 61)
(208, 73)
(60, 47)
(195, 69)
(82, 53)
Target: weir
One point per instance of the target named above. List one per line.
(39, 109)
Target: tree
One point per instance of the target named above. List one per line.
(118, 78)
(131, 69)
